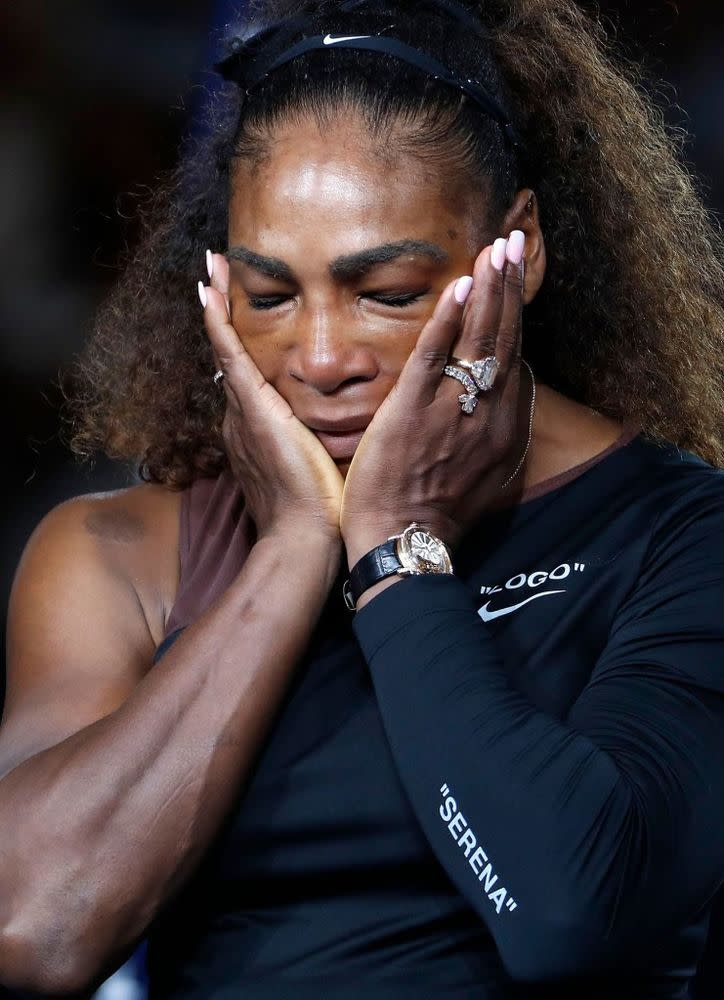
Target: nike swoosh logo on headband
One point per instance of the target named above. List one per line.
(330, 40)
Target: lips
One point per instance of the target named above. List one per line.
(344, 425)
(340, 437)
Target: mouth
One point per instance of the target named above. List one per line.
(340, 446)
(340, 438)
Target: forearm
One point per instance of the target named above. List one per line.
(551, 836)
(99, 830)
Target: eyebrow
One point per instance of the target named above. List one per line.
(343, 268)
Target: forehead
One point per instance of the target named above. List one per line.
(341, 181)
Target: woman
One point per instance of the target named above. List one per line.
(501, 775)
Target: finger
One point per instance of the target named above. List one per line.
(508, 346)
(218, 270)
(244, 385)
(479, 331)
(421, 374)
(240, 372)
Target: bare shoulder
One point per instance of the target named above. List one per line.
(136, 532)
(86, 612)
(131, 534)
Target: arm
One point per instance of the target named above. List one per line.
(580, 842)
(116, 776)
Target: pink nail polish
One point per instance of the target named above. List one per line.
(497, 257)
(516, 246)
(210, 263)
(202, 294)
(462, 289)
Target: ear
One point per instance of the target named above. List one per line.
(523, 214)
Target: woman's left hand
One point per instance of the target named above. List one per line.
(421, 458)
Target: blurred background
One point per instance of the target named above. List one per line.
(98, 96)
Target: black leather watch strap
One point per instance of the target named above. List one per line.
(377, 564)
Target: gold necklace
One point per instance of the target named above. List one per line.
(530, 429)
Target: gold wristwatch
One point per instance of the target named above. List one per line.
(413, 553)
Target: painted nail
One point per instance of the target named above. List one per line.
(516, 246)
(202, 294)
(462, 289)
(210, 263)
(497, 257)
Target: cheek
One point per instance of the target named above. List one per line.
(259, 345)
(264, 353)
(394, 351)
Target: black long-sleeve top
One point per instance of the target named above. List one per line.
(517, 789)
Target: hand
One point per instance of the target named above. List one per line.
(289, 480)
(423, 459)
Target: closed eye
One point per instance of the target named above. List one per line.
(266, 301)
(397, 301)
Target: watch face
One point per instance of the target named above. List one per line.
(421, 552)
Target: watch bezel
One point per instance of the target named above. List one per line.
(409, 564)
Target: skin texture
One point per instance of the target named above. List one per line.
(152, 759)
(334, 352)
(329, 351)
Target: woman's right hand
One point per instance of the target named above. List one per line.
(290, 482)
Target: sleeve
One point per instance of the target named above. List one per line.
(583, 842)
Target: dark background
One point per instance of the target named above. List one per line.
(98, 97)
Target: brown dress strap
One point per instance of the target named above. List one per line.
(215, 538)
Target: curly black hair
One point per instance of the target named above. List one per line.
(629, 318)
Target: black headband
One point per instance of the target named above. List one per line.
(248, 73)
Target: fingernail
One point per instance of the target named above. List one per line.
(462, 289)
(497, 257)
(516, 246)
(210, 263)
(202, 294)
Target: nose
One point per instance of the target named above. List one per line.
(328, 355)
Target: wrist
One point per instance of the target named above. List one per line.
(375, 589)
(305, 531)
(358, 542)
(374, 564)
(311, 553)
(359, 546)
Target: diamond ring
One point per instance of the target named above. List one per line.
(455, 371)
(484, 371)
(469, 399)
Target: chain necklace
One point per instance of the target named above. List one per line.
(530, 430)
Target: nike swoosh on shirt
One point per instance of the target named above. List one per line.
(488, 616)
(330, 40)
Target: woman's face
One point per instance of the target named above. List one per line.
(338, 254)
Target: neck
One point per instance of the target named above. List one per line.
(565, 434)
